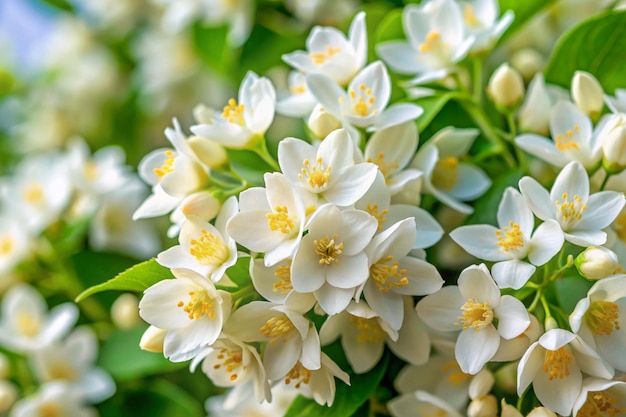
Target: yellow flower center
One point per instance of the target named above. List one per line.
(276, 328)
(233, 112)
(445, 174)
(63, 371)
(510, 238)
(455, 374)
(230, 361)
(600, 404)
(565, 141)
(475, 315)
(569, 212)
(387, 169)
(6, 245)
(316, 176)
(28, 324)
(328, 250)
(167, 167)
(470, 17)
(387, 276)
(34, 193)
(602, 317)
(283, 273)
(298, 89)
(298, 375)
(280, 220)
(208, 249)
(91, 170)
(369, 330)
(375, 212)
(319, 58)
(362, 99)
(556, 363)
(50, 409)
(199, 304)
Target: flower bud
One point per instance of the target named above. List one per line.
(596, 262)
(506, 87)
(481, 384)
(8, 395)
(587, 93)
(152, 339)
(486, 406)
(321, 122)
(208, 152)
(541, 412)
(125, 311)
(5, 367)
(550, 324)
(202, 204)
(508, 410)
(613, 139)
(528, 62)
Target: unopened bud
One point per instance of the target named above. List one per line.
(550, 324)
(506, 87)
(125, 311)
(587, 94)
(208, 152)
(613, 139)
(481, 384)
(541, 412)
(202, 204)
(5, 367)
(8, 395)
(152, 339)
(528, 62)
(596, 262)
(486, 406)
(322, 123)
(508, 410)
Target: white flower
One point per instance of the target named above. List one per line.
(534, 114)
(365, 102)
(513, 349)
(600, 397)
(270, 219)
(580, 215)
(481, 21)
(478, 301)
(596, 318)
(27, 325)
(512, 241)
(290, 337)
(204, 248)
(189, 307)
(53, 399)
(554, 364)
(332, 54)
(420, 403)
(14, 242)
(393, 273)
(616, 104)
(329, 170)
(274, 284)
(330, 259)
(244, 121)
(437, 40)
(72, 360)
(203, 205)
(299, 102)
(613, 142)
(573, 138)
(447, 178)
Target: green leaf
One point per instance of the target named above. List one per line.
(122, 357)
(248, 166)
(136, 278)
(348, 399)
(596, 46)
(240, 272)
(390, 28)
(570, 290)
(212, 47)
(432, 106)
(524, 10)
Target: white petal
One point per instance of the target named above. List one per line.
(476, 283)
(542, 148)
(333, 300)
(397, 114)
(475, 348)
(512, 316)
(546, 242)
(538, 198)
(326, 91)
(512, 274)
(602, 209)
(480, 241)
(441, 310)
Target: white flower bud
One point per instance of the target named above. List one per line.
(508, 410)
(202, 204)
(613, 139)
(528, 62)
(321, 122)
(486, 406)
(587, 93)
(208, 152)
(550, 324)
(596, 262)
(125, 311)
(506, 87)
(152, 339)
(481, 384)
(541, 412)
(8, 395)
(5, 367)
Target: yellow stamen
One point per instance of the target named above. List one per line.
(328, 250)
(50, 409)
(298, 374)
(316, 176)
(369, 330)
(432, 42)
(387, 277)
(28, 324)
(470, 17)
(167, 167)
(6, 245)
(199, 304)
(63, 371)
(283, 273)
(556, 363)
(569, 212)
(600, 404)
(280, 220)
(445, 174)
(34, 193)
(374, 211)
(387, 169)
(565, 141)
(208, 249)
(475, 315)
(362, 101)
(233, 113)
(319, 58)
(511, 238)
(276, 328)
(602, 317)
(230, 360)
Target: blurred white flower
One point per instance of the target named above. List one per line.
(54, 399)
(483, 21)
(600, 396)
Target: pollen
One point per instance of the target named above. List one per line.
(600, 404)
(510, 238)
(455, 375)
(283, 273)
(446, 173)
(475, 315)
(91, 170)
(602, 317)
(431, 43)
(328, 250)
(63, 371)
(319, 58)
(388, 276)
(167, 167)
(369, 330)
(565, 141)
(34, 193)
(569, 211)
(7, 244)
(377, 213)
(233, 112)
(556, 363)
(208, 249)
(385, 168)
(280, 220)
(316, 176)
(199, 304)
(298, 375)
(230, 361)
(277, 328)
(362, 100)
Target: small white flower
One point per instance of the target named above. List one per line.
(600, 397)
(332, 54)
(512, 241)
(554, 364)
(274, 284)
(189, 308)
(596, 318)
(581, 216)
(299, 102)
(437, 40)
(534, 114)
(244, 121)
(481, 22)
(14, 242)
(472, 307)
(53, 399)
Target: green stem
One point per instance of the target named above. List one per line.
(535, 301)
(546, 307)
(605, 181)
(261, 149)
(521, 157)
(477, 83)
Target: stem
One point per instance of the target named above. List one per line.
(546, 307)
(477, 83)
(261, 149)
(521, 157)
(605, 181)
(535, 302)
